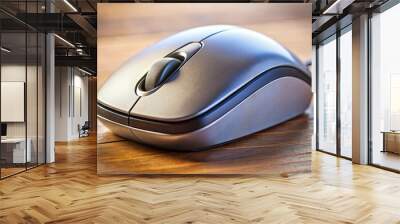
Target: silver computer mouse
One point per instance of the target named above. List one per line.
(204, 87)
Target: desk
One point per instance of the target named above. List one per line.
(13, 150)
(391, 141)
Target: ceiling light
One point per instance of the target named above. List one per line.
(5, 50)
(65, 41)
(331, 7)
(70, 5)
(337, 7)
(84, 71)
(79, 51)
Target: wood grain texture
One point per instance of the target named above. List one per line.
(70, 191)
(283, 149)
(278, 150)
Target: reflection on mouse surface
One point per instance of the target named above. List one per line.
(204, 87)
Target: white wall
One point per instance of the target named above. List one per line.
(71, 87)
(80, 105)
(62, 80)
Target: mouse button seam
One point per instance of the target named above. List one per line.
(215, 33)
(130, 110)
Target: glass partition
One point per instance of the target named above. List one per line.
(334, 94)
(327, 96)
(346, 92)
(23, 91)
(14, 153)
(385, 89)
(32, 96)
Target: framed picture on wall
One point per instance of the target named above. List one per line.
(12, 98)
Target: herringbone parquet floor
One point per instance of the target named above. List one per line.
(69, 191)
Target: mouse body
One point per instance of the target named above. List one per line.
(204, 87)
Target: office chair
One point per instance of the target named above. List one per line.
(84, 130)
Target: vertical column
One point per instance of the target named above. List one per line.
(338, 91)
(50, 92)
(314, 90)
(92, 102)
(360, 90)
(50, 98)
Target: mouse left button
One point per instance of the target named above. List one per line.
(118, 92)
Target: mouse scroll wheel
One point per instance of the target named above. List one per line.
(160, 71)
